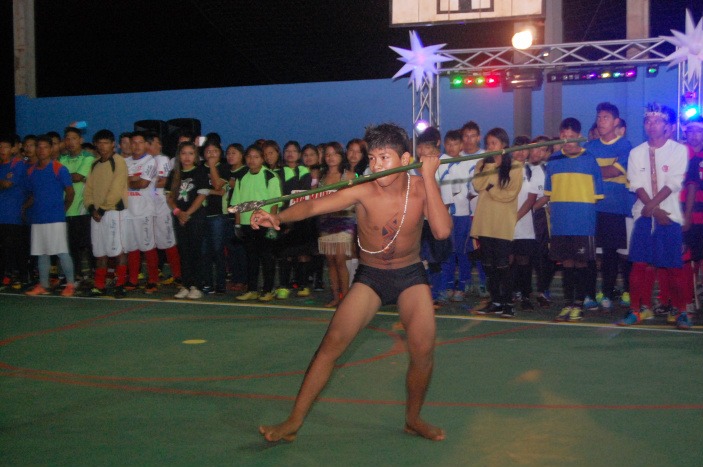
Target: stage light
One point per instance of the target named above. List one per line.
(421, 126)
(523, 39)
(691, 111)
(652, 71)
(526, 78)
(590, 75)
(474, 80)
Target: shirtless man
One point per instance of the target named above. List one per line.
(390, 211)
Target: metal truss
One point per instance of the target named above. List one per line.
(554, 56)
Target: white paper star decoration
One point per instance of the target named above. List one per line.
(689, 47)
(419, 61)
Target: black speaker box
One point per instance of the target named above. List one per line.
(176, 127)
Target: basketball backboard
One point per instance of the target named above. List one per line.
(428, 12)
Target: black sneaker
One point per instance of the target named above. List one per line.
(119, 292)
(526, 304)
(318, 286)
(508, 311)
(208, 289)
(495, 308)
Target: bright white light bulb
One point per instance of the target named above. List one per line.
(522, 39)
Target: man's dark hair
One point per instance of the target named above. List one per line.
(608, 107)
(103, 134)
(521, 140)
(7, 138)
(431, 135)
(570, 123)
(136, 134)
(453, 135)
(150, 136)
(52, 135)
(126, 134)
(47, 138)
(29, 137)
(387, 135)
(470, 125)
(71, 129)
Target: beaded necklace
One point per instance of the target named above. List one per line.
(402, 219)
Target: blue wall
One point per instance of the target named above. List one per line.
(318, 112)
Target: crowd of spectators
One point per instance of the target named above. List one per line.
(96, 216)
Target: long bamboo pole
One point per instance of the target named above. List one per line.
(254, 205)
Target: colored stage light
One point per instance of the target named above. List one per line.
(588, 75)
(475, 80)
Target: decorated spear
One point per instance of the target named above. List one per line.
(254, 205)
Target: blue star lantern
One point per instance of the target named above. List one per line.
(419, 61)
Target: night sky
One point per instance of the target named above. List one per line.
(106, 47)
(96, 47)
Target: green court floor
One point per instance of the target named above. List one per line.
(159, 382)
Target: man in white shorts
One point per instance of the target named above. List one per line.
(138, 218)
(51, 192)
(105, 197)
(164, 235)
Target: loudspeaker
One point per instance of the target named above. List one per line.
(175, 128)
(154, 126)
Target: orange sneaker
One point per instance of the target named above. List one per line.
(69, 290)
(37, 290)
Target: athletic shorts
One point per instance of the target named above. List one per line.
(524, 247)
(495, 252)
(164, 235)
(106, 235)
(661, 248)
(138, 234)
(49, 239)
(694, 241)
(388, 284)
(611, 230)
(581, 248)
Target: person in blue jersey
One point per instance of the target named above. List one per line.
(611, 152)
(51, 193)
(573, 184)
(13, 253)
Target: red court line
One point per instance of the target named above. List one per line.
(76, 325)
(230, 395)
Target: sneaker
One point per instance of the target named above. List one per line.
(526, 304)
(576, 314)
(544, 301)
(482, 308)
(683, 322)
(625, 300)
(248, 296)
(661, 310)
(119, 292)
(318, 285)
(483, 292)
(304, 292)
(458, 296)
(17, 285)
(563, 314)
(646, 313)
(508, 311)
(599, 297)
(168, 281)
(194, 293)
(267, 297)
(517, 296)
(632, 317)
(182, 293)
(6, 281)
(208, 289)
(37, 290)
(151, 288)
(141, 276)
(590, 304)
(129, 286)
(96, 292)
(281, 293)
(606, 304)
(672, 315)
(68, 291)
(496, 309)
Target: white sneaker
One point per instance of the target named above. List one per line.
(194, 293)
(182, 293)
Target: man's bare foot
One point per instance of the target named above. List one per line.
(421, 428)
(286, 431)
